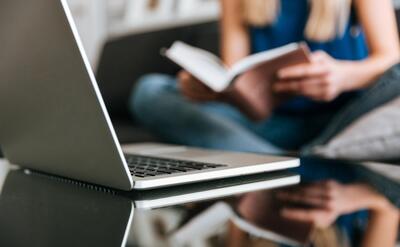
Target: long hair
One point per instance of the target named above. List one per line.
(327, 19)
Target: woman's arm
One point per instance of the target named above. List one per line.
(378, 21)
(325, 78)
(252, 99)
(383, 225)
(235, 45)
(235, 41)
(247, 94)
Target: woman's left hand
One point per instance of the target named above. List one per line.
(322, 80)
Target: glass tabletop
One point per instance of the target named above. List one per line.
(42, 210)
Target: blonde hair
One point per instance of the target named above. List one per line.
(327, 20)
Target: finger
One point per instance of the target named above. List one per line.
(303, 70)
(315, 189)
(327, 189)
(318, 201)
(313, 88)
(192, 83)
(196, 85)
(321, 192)
(195, 95)
(199, 97)
(187, 78)
(307, 215)
(320, 187)
(292, 86)
(312, 196)
(319, 57)
(198, 88)
(183, 76)
(326, 184)
(308, 190)
(188, 81)
(306, 87)
(193, 89)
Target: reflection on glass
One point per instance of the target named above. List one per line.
(42, 210)
(36, 210)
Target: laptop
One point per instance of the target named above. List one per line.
(54, 119)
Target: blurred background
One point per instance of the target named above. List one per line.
(123, 39)
(101, 20)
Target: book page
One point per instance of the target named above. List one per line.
(252, 61)
(263, 233)
(204, 65)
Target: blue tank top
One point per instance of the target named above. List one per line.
(289, 27)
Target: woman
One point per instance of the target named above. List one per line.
(353, 42)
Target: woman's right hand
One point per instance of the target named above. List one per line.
(195, 90)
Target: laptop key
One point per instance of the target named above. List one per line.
(143, 166)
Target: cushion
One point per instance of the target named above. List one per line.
(387, 170)
(374, 136)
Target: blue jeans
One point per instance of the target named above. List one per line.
(158, 104)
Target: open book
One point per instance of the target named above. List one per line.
(276, 229)
(209, 69)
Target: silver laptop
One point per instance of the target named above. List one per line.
(54, 119)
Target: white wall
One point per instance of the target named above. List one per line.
(98, 20)
(396, 4)
(91, 19)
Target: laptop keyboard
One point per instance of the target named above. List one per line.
(144, 166)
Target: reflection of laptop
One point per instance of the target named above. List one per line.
(40, 211)
(212, 189)
(47, 209)
(55, 121)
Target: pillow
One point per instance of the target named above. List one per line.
(387, 170)
(375, 136)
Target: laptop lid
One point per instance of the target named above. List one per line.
(53, 117)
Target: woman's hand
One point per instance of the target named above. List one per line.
(322, 80)
(195, 90)
(325, 201)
